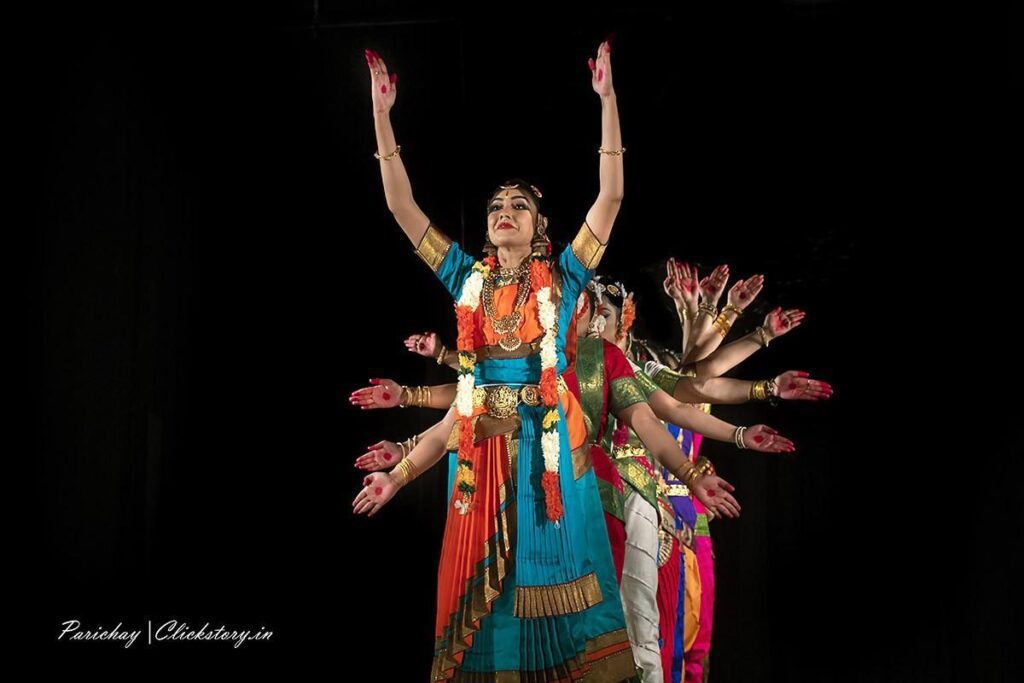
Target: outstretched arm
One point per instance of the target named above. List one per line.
(601, 215)
(759, 437)
(379, 488)
(397, 188)
(776, 324)
(711, 490)
(387, 393)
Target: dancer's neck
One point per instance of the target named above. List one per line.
(511, 257)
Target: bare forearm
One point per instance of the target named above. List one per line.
(657, 439)
(671, 410)
(440, 396)
(397, 188)
(717, 390)
(431, 448)
(710, 336)
(727, 357)
(602, 214)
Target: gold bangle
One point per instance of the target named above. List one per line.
(689, 315)
(722, 324)
(388, 157)
(403, 398)
(441, 355)
(689, 476)
(733, 307)
(709, 309)
(759, 390)
(611, 152)
(704, 467)
(406, 472)
(762, 335)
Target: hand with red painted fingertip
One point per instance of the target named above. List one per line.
(713, 285)
(378, 489)
(797, 385)
(379, 456)
(744, 292)
(778, 322)
(383, 86)
(716, 495)
(382, 393)
(601, 69)
(672, 285)
(688, 280)
(425, 344)
(764, 439)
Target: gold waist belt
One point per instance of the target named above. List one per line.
(502, 401)
(626, 451)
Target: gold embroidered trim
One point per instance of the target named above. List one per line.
(481, 589)
(553, 601)
(433, 247)
(587, 247)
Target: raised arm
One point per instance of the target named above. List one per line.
(601, 215)
(741, 295)
(397, 189)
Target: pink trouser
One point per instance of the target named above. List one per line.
(695, 658)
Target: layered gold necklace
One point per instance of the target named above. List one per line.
(508, 325)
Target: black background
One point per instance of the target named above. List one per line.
(215, 270)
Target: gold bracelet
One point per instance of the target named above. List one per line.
(762, 335)
(388, 157)
(733, 307)
(414, 396)
(722, 324)
(689, 476)
(689, 315)
(709, 309)
(441, 355)
(611, 152)
(406, 472)
(704, 467)
(759, 390)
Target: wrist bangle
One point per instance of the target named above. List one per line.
(704, 466)
(733, 307)
(760, 390)
(738, 437)
(708, 309)
(388, 157)
(443, 352)
(687, 314)
(611, 152)
(763, 336)
(403, 398)
(404, 472)
(722, 324)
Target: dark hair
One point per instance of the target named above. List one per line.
(616, 292)
(531, 191)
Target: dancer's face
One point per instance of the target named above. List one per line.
(611, 317)
(510, 219)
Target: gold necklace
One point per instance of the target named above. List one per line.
(508, 325)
